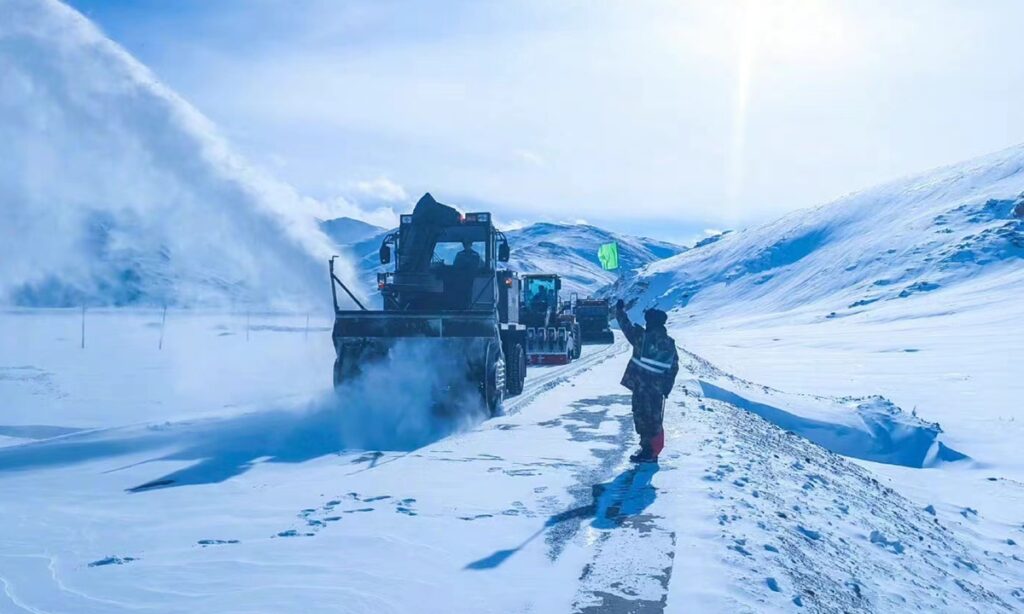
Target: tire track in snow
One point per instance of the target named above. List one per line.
(8, 587)
(550, 377)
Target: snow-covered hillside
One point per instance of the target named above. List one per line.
(567, 249)
(345, 231)
(891, 243)
(571, 251)
(113, 190)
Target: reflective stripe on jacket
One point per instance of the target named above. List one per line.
(655, 360)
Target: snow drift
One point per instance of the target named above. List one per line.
(114, 191)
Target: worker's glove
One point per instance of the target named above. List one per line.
(620, 305)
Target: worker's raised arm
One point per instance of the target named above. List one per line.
(628, 328)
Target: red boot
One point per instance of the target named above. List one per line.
(657, 444)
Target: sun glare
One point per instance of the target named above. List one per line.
(767, 32)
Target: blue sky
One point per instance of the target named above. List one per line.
(657, 118)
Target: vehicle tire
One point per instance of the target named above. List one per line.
(338, 374)
(515, 370)
(347, 364)
(577, 340)
(492, 388)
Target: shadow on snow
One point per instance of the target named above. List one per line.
(613, 504)
(223, 448)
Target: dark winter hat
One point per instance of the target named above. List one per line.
(655, 317)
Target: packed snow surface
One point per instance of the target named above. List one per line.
(133, 480)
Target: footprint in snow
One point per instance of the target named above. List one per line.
(405, 507)
(216, 542)
(962, 562)
(113, 560)
(739, 546)
(878, 538)
(810, 534)
(773, 584)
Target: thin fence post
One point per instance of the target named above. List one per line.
(247, 325)
(163, 322)
(307, 326)
(83, 327)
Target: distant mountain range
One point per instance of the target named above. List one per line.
(567, 249)
(346, 230)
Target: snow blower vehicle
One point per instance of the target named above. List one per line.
(593, 315)
(552, 333)
(446, 303)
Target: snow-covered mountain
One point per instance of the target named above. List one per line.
(567, 249)
(114, 190)
(346, 230)
(571, 251)
(890, 243)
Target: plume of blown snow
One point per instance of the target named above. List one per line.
(114, 190)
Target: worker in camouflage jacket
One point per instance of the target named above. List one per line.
(650, 375)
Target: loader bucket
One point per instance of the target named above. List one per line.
(547, 346)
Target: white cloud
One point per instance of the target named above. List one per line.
(381, 189)
(530, 157)
(382, 215)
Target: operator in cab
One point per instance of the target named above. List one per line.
(467, 259)
(541, 300)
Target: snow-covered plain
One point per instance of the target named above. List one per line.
(198, 493)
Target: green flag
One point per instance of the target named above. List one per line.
(608, 254)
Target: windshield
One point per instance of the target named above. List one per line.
(424, 247)
(447, 252)
(539, 293)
